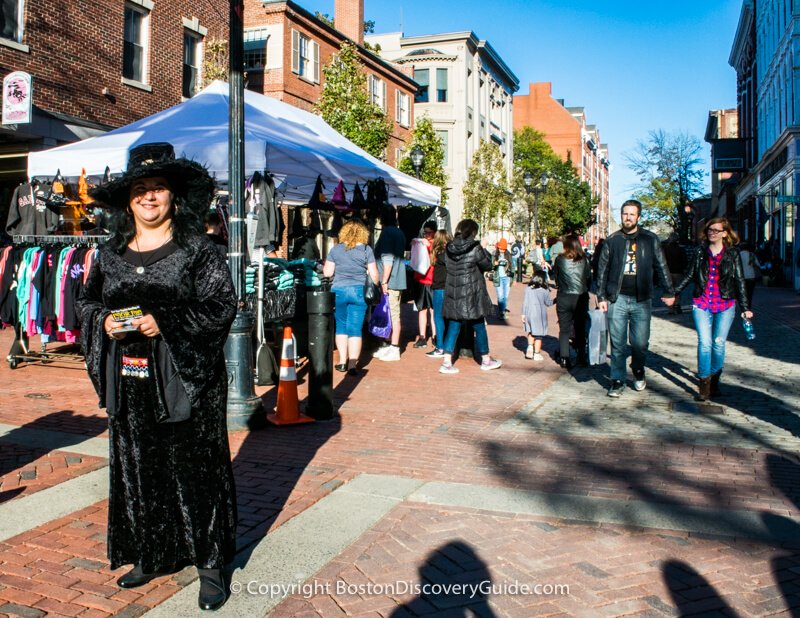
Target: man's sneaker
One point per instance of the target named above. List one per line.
(381, 351)
(447, 369)
(435, 353)
(492, 363)
(639, 383)
(421, 343)
(617, 387)
(538, 357)
(529, 352)
(392, 354)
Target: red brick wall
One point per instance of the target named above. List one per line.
(349, 19)
(76, 51)
(542, 112)
(285, 86)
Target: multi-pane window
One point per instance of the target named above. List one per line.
(305, 57)
(401, 108)
(191, 63)
(422, 77)
(134, 51)
(444, 136)
(441, 85)
(10, 17)
(255, 49)
(377, 91)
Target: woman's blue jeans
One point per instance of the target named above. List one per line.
(481, 337)
(438, 318)
(350, 310)
(502, 294)
(712, 332)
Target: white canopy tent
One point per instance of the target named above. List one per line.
(295, 146)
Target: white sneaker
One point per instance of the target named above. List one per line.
(447, 369)
(380, 351)
(493, 363)
(392, 354)
(538, 357)
(529, 352)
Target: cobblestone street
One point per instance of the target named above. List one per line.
(648, 505)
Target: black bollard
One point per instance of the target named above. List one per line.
(320, 355)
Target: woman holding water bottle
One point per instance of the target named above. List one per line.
(718, 278)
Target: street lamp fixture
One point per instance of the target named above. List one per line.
(417, 159)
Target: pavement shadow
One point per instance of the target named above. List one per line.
(455, 582)
(18, 451)
(691, 593)
(783, 473)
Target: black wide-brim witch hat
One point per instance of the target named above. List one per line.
(187, 179)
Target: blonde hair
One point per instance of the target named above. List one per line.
(353, 233)
(732, 237)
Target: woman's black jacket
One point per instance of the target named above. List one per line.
(731, 276)
(465, 294)
(572, 277)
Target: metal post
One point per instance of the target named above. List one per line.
(244, 407)
(536, 215)
(320, 355)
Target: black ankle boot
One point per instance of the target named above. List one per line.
(213, 592)
(715, 391)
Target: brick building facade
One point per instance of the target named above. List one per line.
(572, 139)
(286, 47)
(78, 54)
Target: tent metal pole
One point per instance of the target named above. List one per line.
(244, 407)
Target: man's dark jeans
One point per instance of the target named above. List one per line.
(627, 316)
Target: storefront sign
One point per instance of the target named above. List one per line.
(793, 199)
(17, 98)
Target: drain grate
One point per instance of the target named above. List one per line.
(38, 395)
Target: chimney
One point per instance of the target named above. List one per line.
(349, 19)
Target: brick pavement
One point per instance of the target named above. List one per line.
(524, 427)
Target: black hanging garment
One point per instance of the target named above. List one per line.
(29, 212)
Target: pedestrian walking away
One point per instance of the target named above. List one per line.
(161, 376)
(518, 258)
(572, 273)
(534, 314)
(466, 300)
(349, 263)
(716, 272)
(503, 276)
(631, 258)
(751, 268)
(424, 302)
(440, 240)
(389, 254)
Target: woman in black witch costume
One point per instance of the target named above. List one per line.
(161, 376)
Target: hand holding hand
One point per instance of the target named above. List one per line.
(748, 315)
(668, 301)
(147, 325)
(602, 305)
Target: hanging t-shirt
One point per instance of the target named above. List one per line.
(29, 213)
(629, 268)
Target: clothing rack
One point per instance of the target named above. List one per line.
(20, 348)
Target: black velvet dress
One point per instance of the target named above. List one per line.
(172, 495)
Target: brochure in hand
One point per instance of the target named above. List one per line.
(125, 317)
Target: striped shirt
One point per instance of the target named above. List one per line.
(711, 300)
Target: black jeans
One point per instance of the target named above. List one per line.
(572, 310)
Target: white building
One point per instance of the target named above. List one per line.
(467, 91)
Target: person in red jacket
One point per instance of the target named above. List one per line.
(425, 296)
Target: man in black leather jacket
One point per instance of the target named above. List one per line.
(628, 260)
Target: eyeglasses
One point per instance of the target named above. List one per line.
(713, 230)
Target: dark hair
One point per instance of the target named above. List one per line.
(430, 225)
(537, 281)
(466, 229)
(635, 203)
(572, 248)
(388, 215)
(186, 223)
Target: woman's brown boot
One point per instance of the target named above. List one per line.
(703, 389)
(715, 392)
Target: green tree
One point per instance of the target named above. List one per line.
(432, 170)
(669, 167)
(486, 192)
(345, 103)
(215, 61)
(567, 203)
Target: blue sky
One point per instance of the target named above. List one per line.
(633, 65)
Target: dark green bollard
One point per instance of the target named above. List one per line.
(320, 355)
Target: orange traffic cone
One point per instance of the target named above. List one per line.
(287, 411)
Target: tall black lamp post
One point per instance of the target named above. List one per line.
(527, 179)
(244, 407)
(417, 159)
